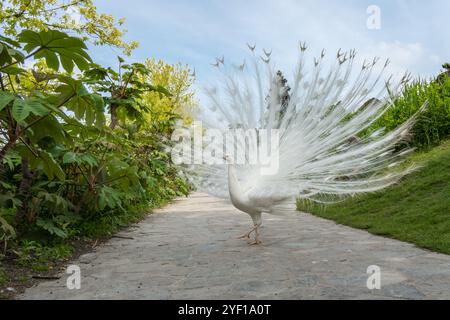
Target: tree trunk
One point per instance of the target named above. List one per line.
(24, 192)
(113, 111)
(6, 148)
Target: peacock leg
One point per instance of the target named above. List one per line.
(247, 235)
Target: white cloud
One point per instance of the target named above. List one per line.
(413, 57)
(195, 32)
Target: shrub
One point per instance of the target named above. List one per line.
(433, 124)
(62, 166)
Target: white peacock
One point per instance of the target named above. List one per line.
(323, 152)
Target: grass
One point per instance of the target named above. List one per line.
(416, 210)
(3, 277)
(108, 224)
(4, 280)
(38, 256)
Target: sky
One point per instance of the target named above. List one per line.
(412, 33)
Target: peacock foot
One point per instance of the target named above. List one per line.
(255, 242)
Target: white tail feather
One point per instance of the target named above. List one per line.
(321, 152)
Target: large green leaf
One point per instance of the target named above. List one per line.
(50, 166)
(85, 105)
(8, 52)
(5, 98)
(50, 58)
(42, 160)
(57, 48)
(9, 41)
(20, 110)
(86, 159)
(70, 157)
(49, 127)
(38, 106)
(23, 107)
(109, 197)
(12, 70)
(50, 227)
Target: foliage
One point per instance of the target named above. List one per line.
(37, 255)
(416, 210)
(79, 17)
(433, 125)
(3, 278)
(81, 151)
(126, 88)
(7, 232)
(178, 80)
(64, 171)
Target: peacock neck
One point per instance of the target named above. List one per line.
(233, 183)
(238, 197)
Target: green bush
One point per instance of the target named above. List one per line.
(64, 171)
(433, 125)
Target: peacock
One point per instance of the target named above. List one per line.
(323, 148)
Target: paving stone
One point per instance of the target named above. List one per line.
(189, 250)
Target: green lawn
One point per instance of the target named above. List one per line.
(416, 210)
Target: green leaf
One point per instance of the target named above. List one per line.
(96, 73)
(51, 59)
(49, 127)
(23, 107)
(98, 102)
(51, 167)
(56, 46)
(160, 89)
(7, 228)
(89, 159)
(81, 62)
(12, 70)
(109, 197)
(70, 157)
(68, 42)
(37, 106)
(67, 64)
(50, 227)
(7, 51)
(31, 38)
(85, 105)
(5, 98)
(20, 110)
(9, 41)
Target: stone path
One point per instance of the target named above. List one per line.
(189, 250)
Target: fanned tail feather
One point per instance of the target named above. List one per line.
(323, 155)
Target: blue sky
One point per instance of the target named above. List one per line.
(413, 33)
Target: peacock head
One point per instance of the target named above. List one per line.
(227, 159)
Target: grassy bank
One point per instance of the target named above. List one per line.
(417, 210)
